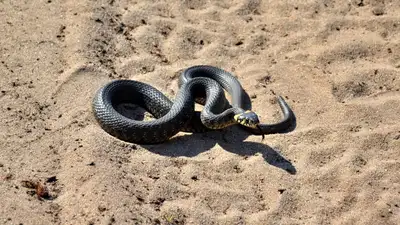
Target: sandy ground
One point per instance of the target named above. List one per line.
(336, 62)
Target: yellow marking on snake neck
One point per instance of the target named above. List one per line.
(241, 121)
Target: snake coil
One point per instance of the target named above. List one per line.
(202, 84)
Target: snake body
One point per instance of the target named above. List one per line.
(202, 84)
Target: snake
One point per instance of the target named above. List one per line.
(202, 84)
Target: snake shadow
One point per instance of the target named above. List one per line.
(231, 139)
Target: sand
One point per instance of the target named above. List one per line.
(337, 63)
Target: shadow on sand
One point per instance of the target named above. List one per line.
(231, 139)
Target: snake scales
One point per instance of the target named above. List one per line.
(202, 84)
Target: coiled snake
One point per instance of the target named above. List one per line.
(202, 84)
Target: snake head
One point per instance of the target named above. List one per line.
(247, 119)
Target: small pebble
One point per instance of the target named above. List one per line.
(378, 11)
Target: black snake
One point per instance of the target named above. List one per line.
(202, 84)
